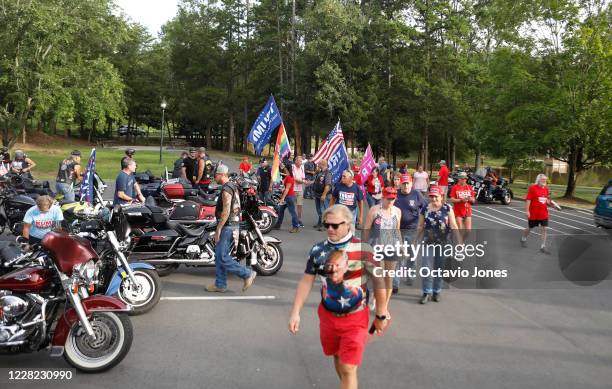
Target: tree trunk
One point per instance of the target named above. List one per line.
(231, 133)
(574, 162)
(298, 138)
(208, 137)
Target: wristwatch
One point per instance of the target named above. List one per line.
(382, 317)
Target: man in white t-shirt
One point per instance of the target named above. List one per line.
(421, 180)
(300, 182)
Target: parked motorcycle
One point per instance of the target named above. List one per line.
(501, 192)
(13, 207)
(167, 249)
(49, 304)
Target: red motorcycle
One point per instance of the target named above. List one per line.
(47, 305)
(193, 207)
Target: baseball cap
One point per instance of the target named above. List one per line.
(130, 151)
(390, 193)
(222, 169)
(435, 191)
(356, 169)
(76, 153)
(462, 175)
(19, 153)
(405, 178)
(193, 149)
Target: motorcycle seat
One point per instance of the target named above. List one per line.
(187, 231)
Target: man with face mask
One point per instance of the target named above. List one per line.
(343, 311)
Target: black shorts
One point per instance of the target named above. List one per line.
(535, 223)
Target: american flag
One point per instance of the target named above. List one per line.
(88, 179)
(334, 140)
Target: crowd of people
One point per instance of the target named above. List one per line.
(402, 206)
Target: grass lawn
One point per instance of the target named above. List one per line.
(107, 161)
(585, 196)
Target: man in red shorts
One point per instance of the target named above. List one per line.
(462, 197)
(536, 206)
(345, 265)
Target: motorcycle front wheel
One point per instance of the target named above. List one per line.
(143, 297)
(269, 263)
(506, 198)
(114, 334)
(266, 222)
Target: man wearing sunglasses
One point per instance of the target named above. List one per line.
(343, 312)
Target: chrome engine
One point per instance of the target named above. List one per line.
(19, 317)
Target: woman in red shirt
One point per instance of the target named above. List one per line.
(287, 200)
(536, 207)
(375, 186)
(462, 197)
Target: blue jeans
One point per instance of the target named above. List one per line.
(308, 190)
(224, 262)
(266, 197)
(408, 236)
(289, 203)
(432, 260)
(371, 200)
(66, 189)
(321, 206)
(355, 212)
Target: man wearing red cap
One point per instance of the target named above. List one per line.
(410, 202)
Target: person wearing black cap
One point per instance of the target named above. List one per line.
(191, 166)
(264, 175)
(129, 154)
(69, 172)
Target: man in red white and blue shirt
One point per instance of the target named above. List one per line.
(345, 265)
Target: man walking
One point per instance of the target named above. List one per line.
(350, 195)
(68, 174)
(299, 175)
(410, 202)
(443, 179)
(322, 188)
(264, 175)
(227, 213)
(344, 265)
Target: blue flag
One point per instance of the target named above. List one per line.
(86, 191)
(267, 121)
(338, 163)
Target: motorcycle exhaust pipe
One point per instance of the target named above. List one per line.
(180, 261)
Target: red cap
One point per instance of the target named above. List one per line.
(390, 193)
(405, 178)
(435, 191)
(355, 169)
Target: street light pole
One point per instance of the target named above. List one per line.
(161, 140)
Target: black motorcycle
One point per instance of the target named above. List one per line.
(178, 244)
(484, 194)
(13, 207)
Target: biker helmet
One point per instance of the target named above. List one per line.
(76, 153)
(130, 151)
(19, 154)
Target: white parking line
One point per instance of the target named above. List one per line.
(494, 219)
(521, 218)
(192, 298)
(573, 214)
(565, 218)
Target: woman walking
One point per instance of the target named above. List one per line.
(421, 180)
(375, 186)
(436, 222)
(287, 200)
(382, 228)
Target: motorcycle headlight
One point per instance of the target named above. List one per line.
(86, 271)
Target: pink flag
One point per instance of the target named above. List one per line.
(367, 164)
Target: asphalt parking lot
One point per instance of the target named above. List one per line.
(551, 332)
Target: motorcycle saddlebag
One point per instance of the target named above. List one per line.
(174, 191)
(186, 210)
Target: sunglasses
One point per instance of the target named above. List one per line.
(333, 225)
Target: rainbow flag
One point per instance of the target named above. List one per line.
(281, 150)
